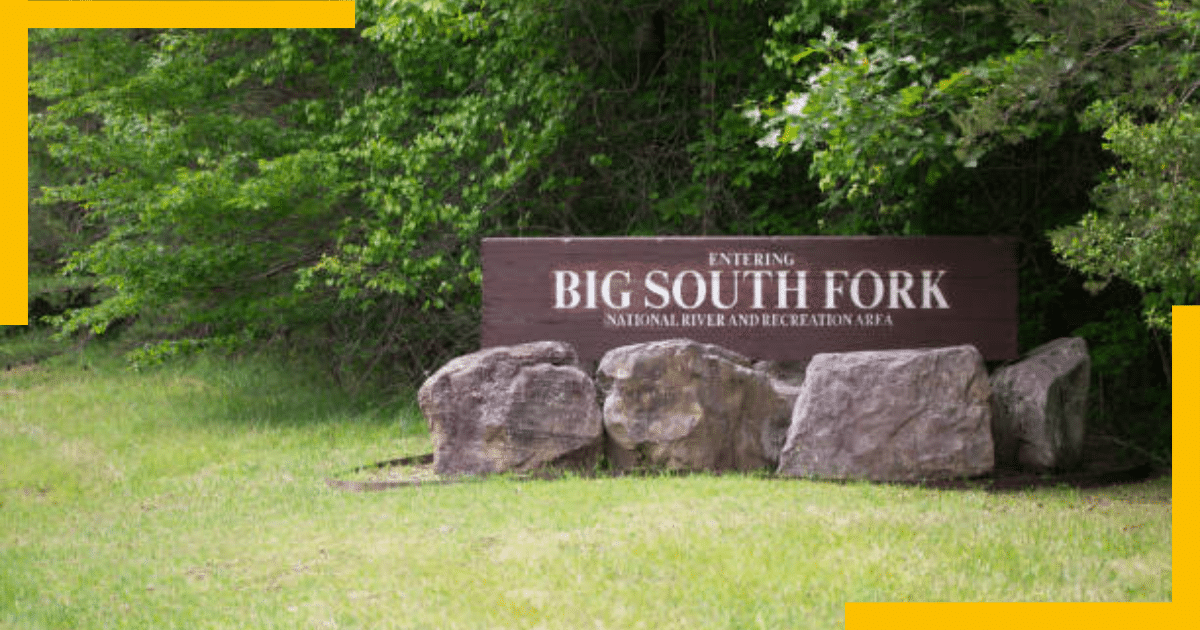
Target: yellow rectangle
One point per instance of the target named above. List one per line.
(208, 14)
(14, 218)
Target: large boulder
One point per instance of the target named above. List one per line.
(512, 408)
(1039, 406)
(682, 405)
(897, 415)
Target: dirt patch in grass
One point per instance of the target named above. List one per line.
(413, 470)
(14, 369)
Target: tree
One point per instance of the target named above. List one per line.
(954, 117)
(327, 190)
(256, 183)
(888, 118)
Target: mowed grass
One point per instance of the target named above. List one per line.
(193, 496)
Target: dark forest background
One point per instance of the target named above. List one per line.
(323, 193)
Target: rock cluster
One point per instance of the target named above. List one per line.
(681, 405)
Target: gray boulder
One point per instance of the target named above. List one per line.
(897, 415)
(513, 408)
(1039, 406)
(682, 405)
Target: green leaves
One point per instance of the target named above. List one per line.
(886, 110)
(1148, 229)
(245, 178)
(870, 111)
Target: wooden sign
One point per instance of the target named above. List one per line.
(781, 298)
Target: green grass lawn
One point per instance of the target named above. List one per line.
(193, 496)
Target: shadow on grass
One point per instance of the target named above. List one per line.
(255, 391)
(998, 481)
(261, 392)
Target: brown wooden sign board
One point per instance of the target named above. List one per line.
(779, 298)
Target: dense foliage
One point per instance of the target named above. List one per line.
(328, 189)
(887, 118)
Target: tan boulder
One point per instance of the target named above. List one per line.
(512, 408)
(682, 405)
